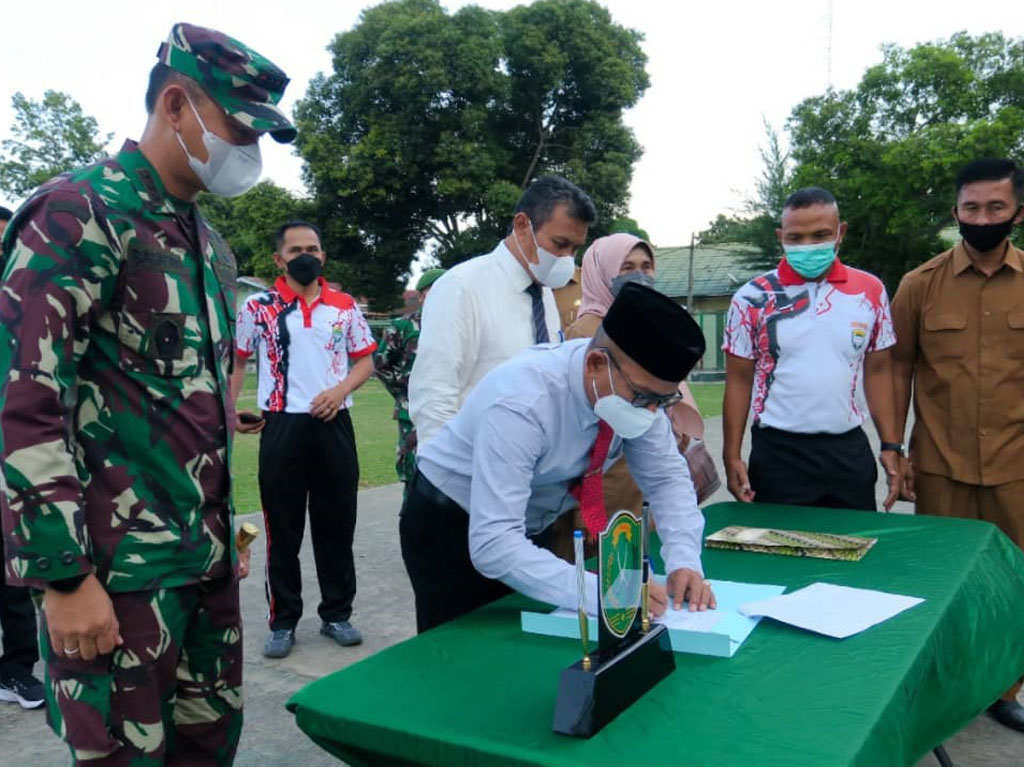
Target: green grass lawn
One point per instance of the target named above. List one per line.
(709, 397)
(376, 436)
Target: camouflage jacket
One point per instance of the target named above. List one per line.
(116, 343)
(395, 357)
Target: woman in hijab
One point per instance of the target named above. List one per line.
(609, 263)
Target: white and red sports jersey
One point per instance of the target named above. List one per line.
(808, 341)
(303, 348)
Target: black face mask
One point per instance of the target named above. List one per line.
(304, 268)
(984, 237)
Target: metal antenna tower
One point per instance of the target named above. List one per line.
(829, 53)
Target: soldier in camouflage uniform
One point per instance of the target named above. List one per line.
(395, 357)
(17, 621)
(117, 316)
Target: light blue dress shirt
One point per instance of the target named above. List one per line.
(510, 455)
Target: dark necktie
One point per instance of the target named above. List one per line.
(589, 490)
(540, 327)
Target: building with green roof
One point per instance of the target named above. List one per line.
(718, 272)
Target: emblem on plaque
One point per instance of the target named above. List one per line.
(621, 573)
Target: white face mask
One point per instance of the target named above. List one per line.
(550, 270)
(625, 419)
(230, 170)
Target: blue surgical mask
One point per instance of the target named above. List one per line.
(811, 261)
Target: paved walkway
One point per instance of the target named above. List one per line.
(383, 611)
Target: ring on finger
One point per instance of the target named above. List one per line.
(71, 651)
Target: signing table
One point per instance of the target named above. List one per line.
(479, 691)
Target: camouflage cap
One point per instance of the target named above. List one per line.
(247, 85)
(429, 278)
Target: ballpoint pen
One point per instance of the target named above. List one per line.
(577, 541)
(645, 558)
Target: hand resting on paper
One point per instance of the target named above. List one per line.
(682, 585)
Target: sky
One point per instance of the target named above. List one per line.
(718, 70)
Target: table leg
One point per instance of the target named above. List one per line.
(942, 755)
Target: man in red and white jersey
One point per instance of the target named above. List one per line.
(800, 341)
(314, 348)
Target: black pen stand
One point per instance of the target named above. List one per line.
(590, 699)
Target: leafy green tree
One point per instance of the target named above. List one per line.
(572, 74)
(629, 226)
(727, 229)
(762, 212)
(432, 124)
(248, 222)
(51, 136)
(890, 148)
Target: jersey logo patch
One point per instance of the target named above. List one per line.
(858, 335)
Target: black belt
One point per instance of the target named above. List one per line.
(268, 414)
(807, 435)
(430, 492)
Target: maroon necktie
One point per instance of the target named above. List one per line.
(589, 491)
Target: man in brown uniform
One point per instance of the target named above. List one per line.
(959, 322)
(568, 298)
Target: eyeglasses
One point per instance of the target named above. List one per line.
(641, 398)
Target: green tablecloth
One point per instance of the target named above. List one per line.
(479, 691)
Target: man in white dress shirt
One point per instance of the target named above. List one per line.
(487, 309)
(525, 437)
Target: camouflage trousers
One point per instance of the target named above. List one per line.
(171, 694)
(405, 452)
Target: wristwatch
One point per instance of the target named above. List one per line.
(900, 448)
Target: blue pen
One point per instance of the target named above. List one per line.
(645, 556)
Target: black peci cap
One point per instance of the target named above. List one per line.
(655, 332)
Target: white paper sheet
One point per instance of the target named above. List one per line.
(684, 618)
(831, 609)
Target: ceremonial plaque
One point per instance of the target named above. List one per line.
(620, 569)
(632, 655)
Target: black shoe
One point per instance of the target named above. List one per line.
(1008, 713)
(18, 685)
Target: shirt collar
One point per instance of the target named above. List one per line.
(145, 178)
(518, 277)
(837, 273)
(1012, 258)
(282, 287)
(585, 410)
